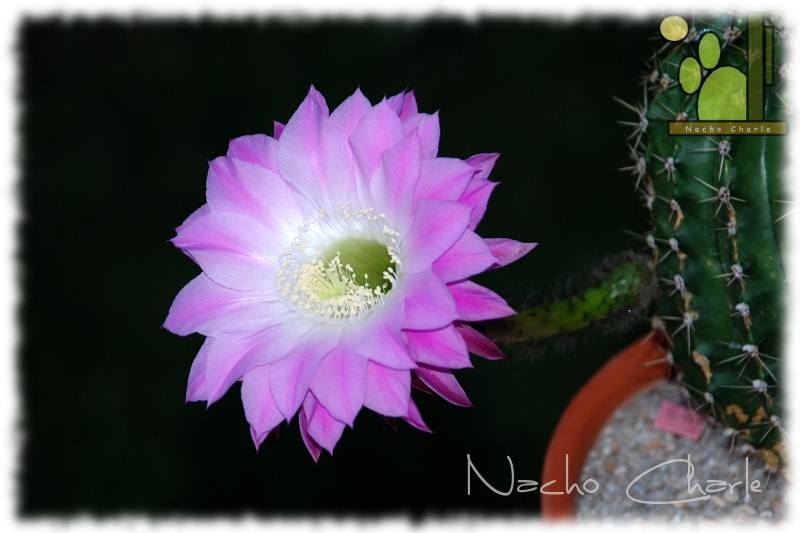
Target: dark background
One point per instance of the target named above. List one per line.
(118, 122)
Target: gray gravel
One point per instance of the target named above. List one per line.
(630, 445)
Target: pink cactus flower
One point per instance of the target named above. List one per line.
(335, 258)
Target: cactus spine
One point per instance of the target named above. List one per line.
(715, 204)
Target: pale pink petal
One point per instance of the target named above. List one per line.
(437, 226)
(415, 418)
(313, 448)
(392, 186)
(345, 118)
(350, 112)
(484, 163)
(259, 149)
(429, 304)
(507, 251)
(290, 377)
(259, 407)
(478, 344)
(379, 338)
(231, 356)
(312, 155)
(443, 178)
(388, 390)
(444, 383)
(476, 303)
(205, 307)
(469, 256)
(427, 127)
(202, 211)
(378, 130)
(322, 427)
(277, 129)
(396, 102)
(340, 383)
(404, 104)
(419, 385)
(199, 213)
(234, 250)
(477, 195)
(258, 440)
(316, 95)
(196, 388)
(409, 105)
(440, 347)
(240, 187)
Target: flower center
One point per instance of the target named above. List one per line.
(367, 263)
(340, 268)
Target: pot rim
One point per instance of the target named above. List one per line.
(638, 367)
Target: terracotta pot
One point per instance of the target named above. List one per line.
(636, 368)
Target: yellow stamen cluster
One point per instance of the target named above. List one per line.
(319, 286)
(329, 290)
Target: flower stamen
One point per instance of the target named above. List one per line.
(342, 267)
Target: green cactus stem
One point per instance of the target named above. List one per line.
(715, 203)
(623, 285)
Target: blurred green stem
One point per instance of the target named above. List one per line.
(628, 286)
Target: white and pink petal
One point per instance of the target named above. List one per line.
(427, 128)
(415, 418)
(240, 187)
(201, 211)
(205, 307)
(258, 149)
(234, 250)
(477, 196)
(443, 178)
(230, 356)
(388, 390)
(470, 255)
(444, 383)
(196, 387)
(340, 383)
(322, 428)
(484, 163)
(350, 112)
(312, 155)
(404, 104)
(393, 184)
(443, 347)
(506, 251)
(379, 338)
(313, 448)
(290, 377)
(476, 303)
(478, 344)
(437, 226)
(259, 407)
(429, 303)
(378, 130)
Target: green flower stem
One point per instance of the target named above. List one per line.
(620, 291)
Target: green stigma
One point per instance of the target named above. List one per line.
(368, 259)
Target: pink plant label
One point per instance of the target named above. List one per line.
(680, 420)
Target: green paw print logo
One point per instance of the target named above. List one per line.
(723, 92)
